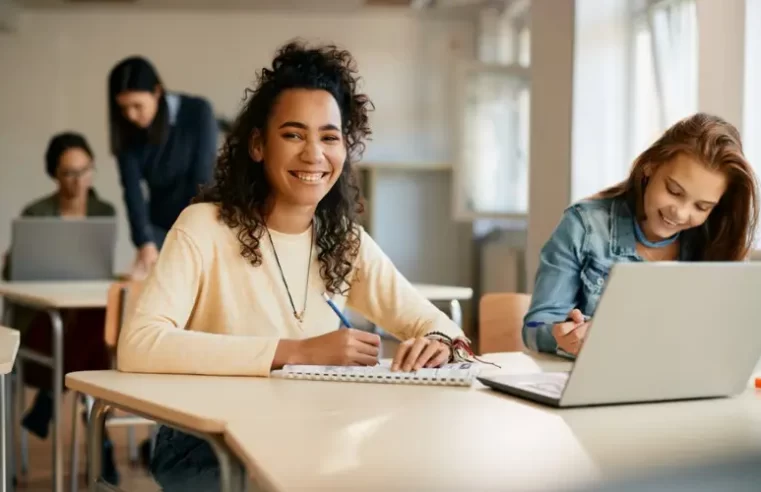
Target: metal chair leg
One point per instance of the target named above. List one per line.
(455, 312)
(154, 436)
(74, 470)
(89, 402)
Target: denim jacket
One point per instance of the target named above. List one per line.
(574, 265)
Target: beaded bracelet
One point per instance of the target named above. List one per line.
(460, 347)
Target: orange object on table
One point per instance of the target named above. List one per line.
(758, 383)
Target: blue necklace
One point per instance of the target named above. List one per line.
(650, 244)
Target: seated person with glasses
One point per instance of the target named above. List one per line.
(68, 161)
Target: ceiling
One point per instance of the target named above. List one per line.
(258, 4)
(181, 4)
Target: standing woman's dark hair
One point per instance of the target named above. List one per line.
(136, 75)
(164, 139)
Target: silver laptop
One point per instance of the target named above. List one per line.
(55, 249)
(662, 332)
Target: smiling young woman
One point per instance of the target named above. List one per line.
(239, 286)
(691, 196)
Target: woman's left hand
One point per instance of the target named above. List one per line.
(416, 353)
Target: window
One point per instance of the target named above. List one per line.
(494, 150)
(665, 51)
(645, 117)
(601, 82)
(491, 175)
(752, 84)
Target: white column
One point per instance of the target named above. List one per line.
(751, 124)
(552, 40)
(721, 58)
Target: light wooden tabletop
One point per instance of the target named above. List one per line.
(9, 343)
(444, 292)
(299, 435)
(57, 295)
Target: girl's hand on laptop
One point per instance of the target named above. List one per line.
(570, 334)
(416, 353)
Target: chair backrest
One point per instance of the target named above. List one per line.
(501, 322)
(121, 301)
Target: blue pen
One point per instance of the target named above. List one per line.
(537, 324)
(335, 309)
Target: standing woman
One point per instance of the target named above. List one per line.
(164, 139)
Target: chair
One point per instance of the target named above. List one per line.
(121, 300)
(501, 322)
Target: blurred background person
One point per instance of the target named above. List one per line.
(165, 140)
(69, 162)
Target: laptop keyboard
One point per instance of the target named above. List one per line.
(548, 383)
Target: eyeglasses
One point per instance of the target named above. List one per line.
(77, 173)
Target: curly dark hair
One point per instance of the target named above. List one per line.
(241, 189)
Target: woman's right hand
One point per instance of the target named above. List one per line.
(343, 347)
(147, 256)
(569, 335)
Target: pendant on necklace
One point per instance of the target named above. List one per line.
(299, 316)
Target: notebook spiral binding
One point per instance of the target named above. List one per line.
(457, 377)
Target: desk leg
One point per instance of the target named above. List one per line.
(4, 426)
(232, 476)
(7, 461)
(95, 444)
(20, 405)
(455, 312)
(55, 320)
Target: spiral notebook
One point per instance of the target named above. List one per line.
(457, 374)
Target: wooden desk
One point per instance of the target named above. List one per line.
(307, 435)
(51, 297)
(9, 343)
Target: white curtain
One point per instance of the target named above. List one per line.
(673, 25)
(752, 89)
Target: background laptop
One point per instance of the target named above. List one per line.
(56, 249)
(662, 331)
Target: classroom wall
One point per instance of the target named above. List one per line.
(55, 67)
(9, 13)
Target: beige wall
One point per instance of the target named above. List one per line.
(54, 69)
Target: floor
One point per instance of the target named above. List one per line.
(133, 476)
(38, 479)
